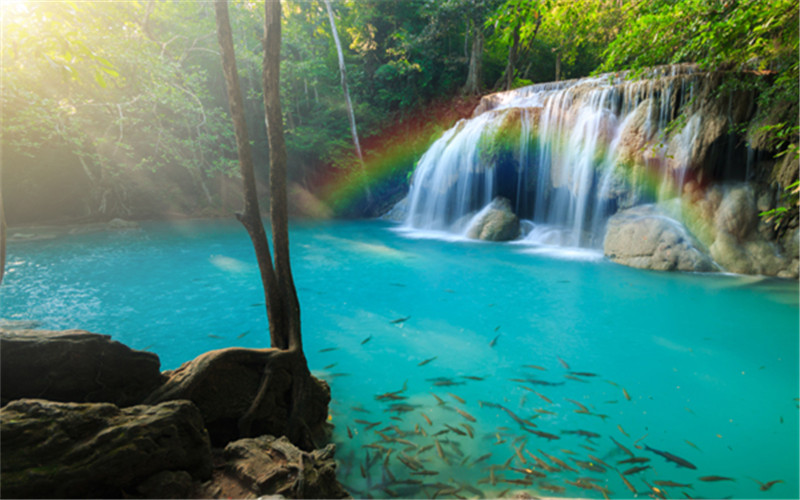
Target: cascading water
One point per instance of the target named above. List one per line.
(567, 155)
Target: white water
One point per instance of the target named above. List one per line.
(584, 149)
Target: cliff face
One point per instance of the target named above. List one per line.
(570, 155)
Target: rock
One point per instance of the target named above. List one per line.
(122, 224)
(737, 213)
(75, 365)
(223, 383)
(643, 238)
(167, 484)
(751, 257)
(496, 222)
(97, 450)
(265, 465)
(398, 212)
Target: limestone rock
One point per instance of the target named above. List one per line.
(97, 450)
(122, 224)
(737, 213)
(496, 222)
(269, 466)
(74, 365)
(643, 238)
(223, 383)
(398, 212)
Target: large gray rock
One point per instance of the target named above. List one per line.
(74, 365)
(97, 450)
(496, 222)
(256, 467)
(643, 238)
(223, 383)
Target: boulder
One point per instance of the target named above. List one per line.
(644, 238)
(266, 465)
(74, 365)
(223, 383)
(97, 450)
(496, 222)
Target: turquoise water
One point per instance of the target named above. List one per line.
(710, 362)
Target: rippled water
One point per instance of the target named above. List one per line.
(709, 362)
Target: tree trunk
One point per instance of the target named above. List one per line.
(475, 71)
(558, 65)
(277, 175)
(2, 231)
(250, 216)
(348, 103)
(512, 58)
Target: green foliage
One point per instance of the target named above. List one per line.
(787, 208)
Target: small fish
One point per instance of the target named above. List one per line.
(545, 435)
(583, 408)
(545, 412)
(580, 484)
(473, 377)
(466, 415)
(583, 374)
(568, 452)
(212, 336)
(536, 367)
(634, 470)
(366, 340)
(576, 379)
(328, 349)
(497, 327)
(588, 465)
(766, 486)
(457, 398)
(587, 447)
(439, 449)
(494, 341)
(557, 461)
(400, 320)
(349, 433)
(528, 472)
(672, 484)
(427, 419)
(330, 366)
(715, 478)
(680, 462)
(423, 363)
(439, 400)
(625, 392)
(563, 363)
(522, 482)
(634, 460)
(552, 488)
(447, 383)
(599, 461)
(543, 397)
(622, 430)
(482, 458)
(425, 473)
(457, 431)
(582, 433)
(469, 429)
(242, 334)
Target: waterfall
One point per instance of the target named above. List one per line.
(567, 154)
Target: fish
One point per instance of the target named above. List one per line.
(401, 408)
(583, 464)
(627, 483)
(622, 430)
(518, 452)
(528, 472)
(583, 408)
(439, 450)
(400, 320)
(494, 341)
(672, 484)
(425, 473)
(444, 431)
(634, 470)
(680, 462)
(626, 450)
(242, 334)
(457, 431)
(425, 362)
(466, 415)
(541, 434)
(599, 461)
(634, 460)
(328, 349)
(469, 429)
(543, 397)
(497, 327)
(473, 377)
(212, 336)
(576, 379)
(692, 444)
(583, 374)
(542, 464)
(439, 400)
(557, 461)
(583, 433)
(366, 340)
(536, 367)
(457, 398)
(446, 383)
(580, 484)
(625, 392)
(586, 447)
(360, 409)
(522, 482)
(766, 486)
(715, 478)
(568, 452)
(408, 463)
(552, 488)
(349, 433)
(427, 419)
(563, 363)
(543, 411)
(330, 366)
(482, 458)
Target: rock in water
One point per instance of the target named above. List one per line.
(223, 383)
(269, 466)
(75, 365)
(496, 222)
(97, 450)
(643, 238)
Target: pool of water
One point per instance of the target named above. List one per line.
(525, 346)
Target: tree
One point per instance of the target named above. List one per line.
(283, 309)
(517, 23)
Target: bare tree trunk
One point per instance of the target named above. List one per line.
(351, 115)
(558, 65)
(512, 58)
(250, 216)
(475, 72)
(277, 175)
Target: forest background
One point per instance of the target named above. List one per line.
(118, 109)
